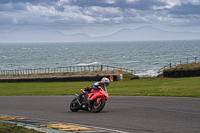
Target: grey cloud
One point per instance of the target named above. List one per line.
(29, 1)
(83, 13)
(185, 9)
(12, 6)
(139, 5)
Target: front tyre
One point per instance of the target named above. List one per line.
(98, 107)
(74, 106)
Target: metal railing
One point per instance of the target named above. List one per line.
(63, 69)
(186, 61)
(140, 73)
(165, 67)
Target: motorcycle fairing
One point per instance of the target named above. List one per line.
(93, 95)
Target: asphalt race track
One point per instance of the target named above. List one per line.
(134, 114)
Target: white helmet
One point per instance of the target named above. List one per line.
(106, 81)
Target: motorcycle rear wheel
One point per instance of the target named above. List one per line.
(98, 107)
(74, 106)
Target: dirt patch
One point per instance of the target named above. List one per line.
(65, 74)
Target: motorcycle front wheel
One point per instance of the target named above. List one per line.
(98, 107)
(74, 106)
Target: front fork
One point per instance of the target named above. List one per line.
(98, 100)
(77, 98)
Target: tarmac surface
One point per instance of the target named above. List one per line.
(134, 114)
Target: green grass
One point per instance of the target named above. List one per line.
(10, 128)
(177, 87)
(182, 87)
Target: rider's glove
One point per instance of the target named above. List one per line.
(87, 89)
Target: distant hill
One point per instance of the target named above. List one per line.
(148, 33)
(142, 33)
(40, 35)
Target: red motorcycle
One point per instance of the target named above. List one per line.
(93, 101)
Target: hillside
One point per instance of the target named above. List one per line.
(183, 70)
(149, 33)
(185, 67)
(138, 34)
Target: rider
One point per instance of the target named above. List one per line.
(103, 84)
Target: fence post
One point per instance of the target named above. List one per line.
(101, 67)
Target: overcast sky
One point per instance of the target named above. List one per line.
(99, 17)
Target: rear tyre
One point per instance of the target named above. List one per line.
(98, 107)
(74, 106)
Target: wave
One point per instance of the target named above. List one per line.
(25, 48)
(146, 73)
(127, 62)
(4, 56)
(84, 64)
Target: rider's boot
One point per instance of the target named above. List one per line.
(80, 95)
(77, 96)
(89, 105)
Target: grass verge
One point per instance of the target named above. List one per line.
(10, 128)
(185, 67)
(177, 87)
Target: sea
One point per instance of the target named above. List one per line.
(146, 56)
